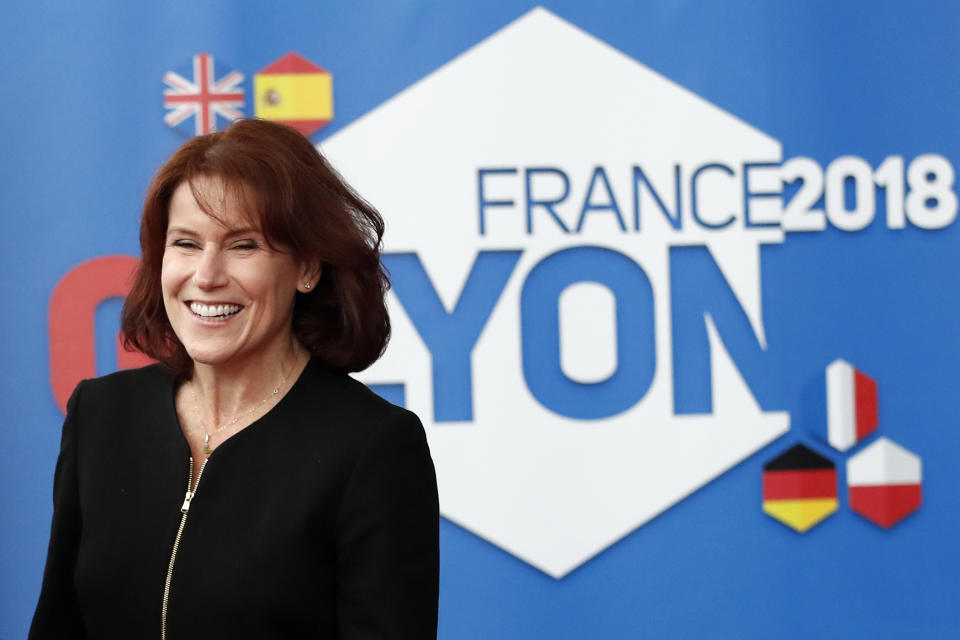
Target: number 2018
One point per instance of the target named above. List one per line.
(926, 198)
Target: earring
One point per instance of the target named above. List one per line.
(307, 285)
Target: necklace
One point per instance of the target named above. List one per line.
(206, 434)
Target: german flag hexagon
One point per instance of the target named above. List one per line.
(799, 488)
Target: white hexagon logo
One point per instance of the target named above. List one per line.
(534, 189)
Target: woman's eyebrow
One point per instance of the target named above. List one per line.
(245, 230)
(230, 233)
(182, 230)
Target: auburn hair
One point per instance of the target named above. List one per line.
(301, 205)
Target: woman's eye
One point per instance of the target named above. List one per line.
(246, 246)
(184, 244)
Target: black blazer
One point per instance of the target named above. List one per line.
(319, 520)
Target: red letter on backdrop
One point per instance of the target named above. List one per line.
(73, 304)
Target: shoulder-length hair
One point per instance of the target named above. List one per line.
(301, 205)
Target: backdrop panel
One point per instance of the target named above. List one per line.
(674, 285)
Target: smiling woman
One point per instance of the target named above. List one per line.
(312, 502)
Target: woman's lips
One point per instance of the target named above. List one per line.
(213, 313)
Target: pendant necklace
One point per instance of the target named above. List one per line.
(206, 434)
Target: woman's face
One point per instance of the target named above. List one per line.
(228, 295)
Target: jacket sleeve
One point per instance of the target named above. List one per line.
(387, 538)
(58, 611)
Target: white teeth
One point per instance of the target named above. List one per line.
(213, 311)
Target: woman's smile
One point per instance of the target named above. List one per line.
(214, 313)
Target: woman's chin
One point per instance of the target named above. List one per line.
(229, 355)
(210, 357)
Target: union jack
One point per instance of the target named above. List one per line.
(204, 97)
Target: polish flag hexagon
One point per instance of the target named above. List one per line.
(886, 482)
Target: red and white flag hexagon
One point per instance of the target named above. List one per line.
(885, 482)
(851, 405)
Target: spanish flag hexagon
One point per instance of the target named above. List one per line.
(799, 488)
(296, 92)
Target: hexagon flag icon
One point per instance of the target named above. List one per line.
(296, 92)
(885, 482)
(851, 405)
(799, 488)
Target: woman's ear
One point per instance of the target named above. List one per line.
(310, 276)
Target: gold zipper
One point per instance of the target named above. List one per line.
(184, 511)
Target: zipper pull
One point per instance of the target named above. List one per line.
(186, 502)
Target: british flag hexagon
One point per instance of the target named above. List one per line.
(538, 190)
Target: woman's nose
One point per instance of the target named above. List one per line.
(210, 272)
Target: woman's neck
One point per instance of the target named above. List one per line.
(223, 392)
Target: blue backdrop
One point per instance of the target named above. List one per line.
(82, 132)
